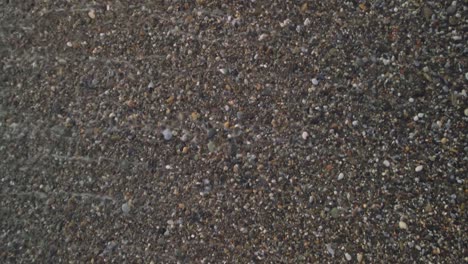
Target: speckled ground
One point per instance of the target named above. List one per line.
(233, 131)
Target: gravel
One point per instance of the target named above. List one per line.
(233, 120)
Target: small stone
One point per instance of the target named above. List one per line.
(236, 168)
(402, 225)
(315, 81)
(185, 150)
(348, 257)
(444, 140)
(411, 100)
(69, 44)
(386, 163)
(262, 37)
(167, 134)
(466, 112)
(360, 257)
(226, 125)
(170, 100)
(335, 212)
(125, 208)
(330, 250)
(211, 146)
(194, 116)
(240, 115)
(305, 135)
(452, 8)
(307, 22)
(92, 14)
(211, 133)
(355, 123)
(340, 176)
(427, 12)
(419, 168)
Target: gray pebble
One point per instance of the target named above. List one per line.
(211, 133)
(452, 8)
(125, 208)
(167, 133)
(330, 250)
(240, 115)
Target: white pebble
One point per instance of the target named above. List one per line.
(411, 100)
(415, 118)
(466, 111)
(420, 115)
(305, 135)
(262, 37)
(69, 44)
(315, 81)
(386, 163)
(92, 14)
(419, 168)
(355, 123)
(167, 133)
(402, 225)
(347, 256)
(307, 22)
(340, 176)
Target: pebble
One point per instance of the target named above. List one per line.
(211, 133)
(125, 208)
(335, 212)
(185, 150)
(240, 115)
(305, 135)
(315, 81)
(452, 8)
(167, 133)
(92, 14)
(466, 111)
(211, 146)
(355, 123)
(419, 168)
(360, 257)
(307, 22)
(386, 163)
(262, 37)
(340, 176)
(427, 12)
(402, 225)
(330, 250)
(348, 256)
